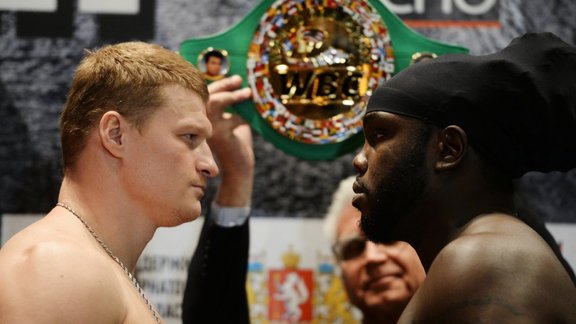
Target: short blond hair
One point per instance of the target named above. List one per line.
(125, 77)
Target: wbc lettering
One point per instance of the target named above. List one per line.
(330, 88)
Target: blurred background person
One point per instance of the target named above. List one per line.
(214, 61)
(379, 279)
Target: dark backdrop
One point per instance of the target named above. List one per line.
(38, 53)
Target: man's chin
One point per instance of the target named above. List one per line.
(382, 304)
(374, 231)
(192, 216)
(183, 216)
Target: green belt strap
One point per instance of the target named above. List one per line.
(237, 40)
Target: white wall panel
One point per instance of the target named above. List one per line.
(29, 5)
(109, 6)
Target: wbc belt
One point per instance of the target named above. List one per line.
(312, 66)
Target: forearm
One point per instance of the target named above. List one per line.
(236, 189)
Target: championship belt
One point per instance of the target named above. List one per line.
(312, 66)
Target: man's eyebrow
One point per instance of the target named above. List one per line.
(192, 125)
(348, 238)
(372, 117)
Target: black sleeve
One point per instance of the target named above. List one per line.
(216, 286)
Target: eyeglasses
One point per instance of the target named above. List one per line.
(350, 248)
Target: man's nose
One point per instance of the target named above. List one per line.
(207, 165)
(359, 162)
(375, 252)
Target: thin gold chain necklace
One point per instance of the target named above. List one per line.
(116, 259)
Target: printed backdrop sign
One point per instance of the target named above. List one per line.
(291, 272)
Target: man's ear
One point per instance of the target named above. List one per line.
(452, 145)
(111, 130)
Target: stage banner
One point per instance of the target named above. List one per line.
(291, 273)
(292, 277)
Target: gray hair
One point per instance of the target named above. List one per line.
(341, 198)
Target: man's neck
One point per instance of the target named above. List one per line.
(380, 318)
(447, 213)
(124, 231)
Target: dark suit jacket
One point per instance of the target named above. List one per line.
(216, 285)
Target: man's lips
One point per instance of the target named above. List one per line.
(358, 187)
(200, 188)
(381, 281)
(357, 201)
(359, 196)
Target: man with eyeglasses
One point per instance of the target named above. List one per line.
(379, 279)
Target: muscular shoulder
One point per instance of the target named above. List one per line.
(506, 273)
(55, 279)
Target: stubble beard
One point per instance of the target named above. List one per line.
(395, 198)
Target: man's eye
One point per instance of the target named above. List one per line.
(375, 135)
(191, 138)
(350, 249)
